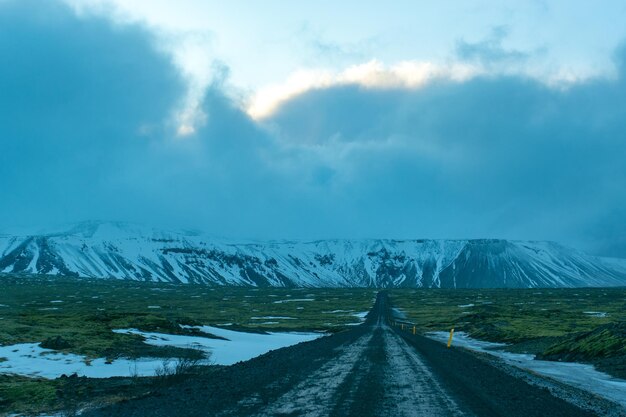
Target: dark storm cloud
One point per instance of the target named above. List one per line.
(80, 101)
(86, 133)
(493, 156)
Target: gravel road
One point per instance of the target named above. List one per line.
(371, 370)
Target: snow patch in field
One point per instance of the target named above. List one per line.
(398, 313)
(29, 359)
(295, 299)
(234, 347)
(361, 315)
(596, 313)
(579, 375)
(272, 318)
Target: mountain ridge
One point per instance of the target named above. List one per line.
(130, 251)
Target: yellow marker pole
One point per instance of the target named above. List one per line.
(413, 329)
(450, 338)
(402, 327)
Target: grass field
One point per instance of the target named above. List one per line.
(582, 324)
(78, 316)
(83, 313)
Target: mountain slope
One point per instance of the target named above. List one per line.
(126, 251)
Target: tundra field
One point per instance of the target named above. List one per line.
(79, 317)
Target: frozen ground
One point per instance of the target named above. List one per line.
(579, 375)
(29, 359)
(239, 346)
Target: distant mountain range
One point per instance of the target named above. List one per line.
(127, 251)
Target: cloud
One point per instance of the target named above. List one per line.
(490, 51)
(486, 57)
(88, 131)
(81, 100)
(404, 151)
(490, 156)
(323, 49)
(372, 74)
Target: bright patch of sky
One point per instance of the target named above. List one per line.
(274, 50)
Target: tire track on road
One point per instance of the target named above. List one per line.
(378, 375)
(314, 396)
(410, 387)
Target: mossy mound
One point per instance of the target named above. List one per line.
(56, 343)
(606, 341)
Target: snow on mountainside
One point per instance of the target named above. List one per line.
(126, 251)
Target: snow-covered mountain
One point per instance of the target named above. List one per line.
(126, 251)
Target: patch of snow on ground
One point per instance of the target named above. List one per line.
(239, 346)
(29, 359)
(579, 375)
(361, 315)
(295, 299)
(273, 318)
(466, 305)
(596, 313)
(397, 313)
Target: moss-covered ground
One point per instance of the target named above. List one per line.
(78, 316)
(581, 324)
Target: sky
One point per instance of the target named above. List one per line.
(275, 119)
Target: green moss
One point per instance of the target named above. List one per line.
(604, 342)
(557, 324)
(25, 395)
(90, 309)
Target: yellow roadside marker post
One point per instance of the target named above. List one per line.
(402, 327)
(413, 329)
(450, 338)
